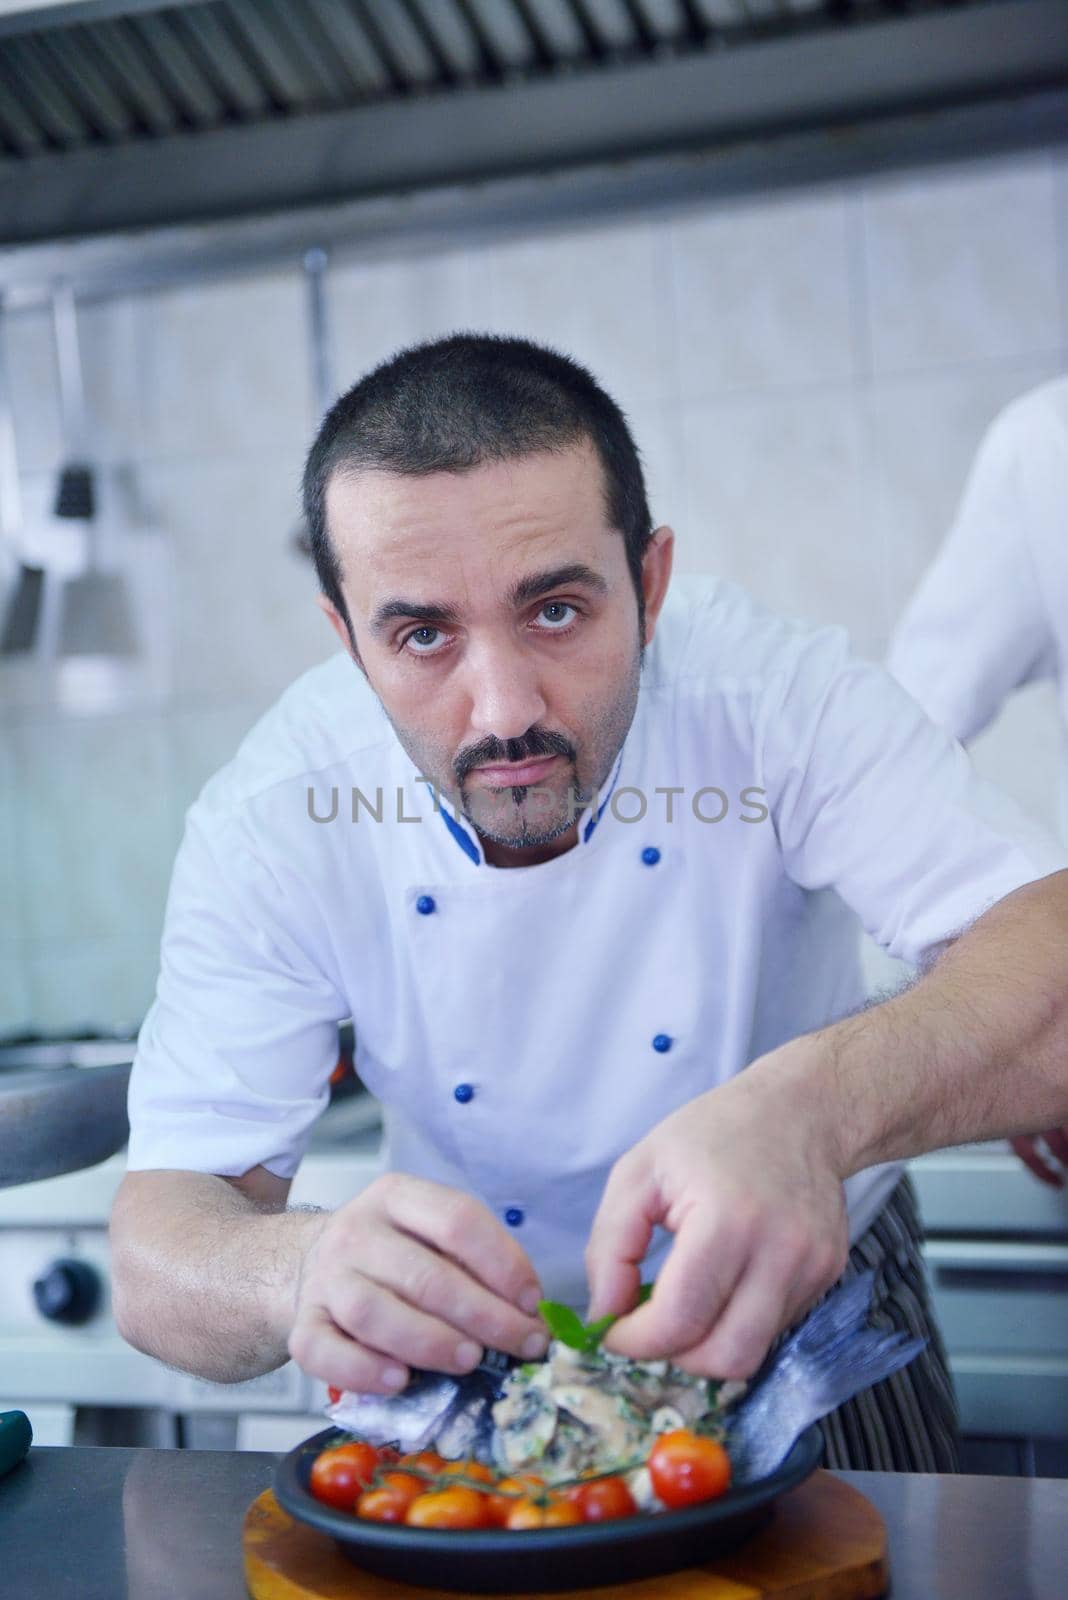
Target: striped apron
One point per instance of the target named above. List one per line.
(907, 1423)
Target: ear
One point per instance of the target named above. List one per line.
(337, 622)
(656, 575)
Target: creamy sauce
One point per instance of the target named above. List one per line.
(576, 1413)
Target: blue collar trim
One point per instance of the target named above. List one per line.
(457, 829)
(462, 837)
(594, 820)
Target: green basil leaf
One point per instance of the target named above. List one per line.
(595, 1331)
(567, 1326)
(563, 1323)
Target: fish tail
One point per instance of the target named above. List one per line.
(839, 1353)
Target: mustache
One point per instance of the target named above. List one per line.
(534, 743)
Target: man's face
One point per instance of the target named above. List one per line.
(496, 620)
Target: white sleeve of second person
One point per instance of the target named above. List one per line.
(870, 798)
(234, 1058)
(976, 628)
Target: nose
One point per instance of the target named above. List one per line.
(505, 690)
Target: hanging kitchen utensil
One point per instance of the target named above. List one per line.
(95, 615)
(22, 614)
(75, 491)
(323, 388)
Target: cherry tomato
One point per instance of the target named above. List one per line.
(548, 1511)
(602, 1499)
(339, 1475)
(405, 1485)
(687, 1468)
(383, 1505)
(510, 1491)
(469, 1469)
(428, 1460)
(449, 1508)
(333, 1395)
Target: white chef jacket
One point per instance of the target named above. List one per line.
(525, 1026)
(991, 613)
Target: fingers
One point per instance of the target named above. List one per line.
(774, 1295)
(619, 1238)
(417, 1276)
(1028, 1151)
(721, 1238)
(740, 1270)
(726, 1330)
(370, 1313)
(705, 1263)
(755, 1314)
(461, 1227)
(323, 1351)
(412, 1273)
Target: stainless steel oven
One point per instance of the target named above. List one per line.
(61, 1358)
(997, 1255)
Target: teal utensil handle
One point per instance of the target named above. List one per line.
(15, 1437)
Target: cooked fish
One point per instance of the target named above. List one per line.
(452, 1414)
(592, 1411)
(585, 1411)
(826, 1361)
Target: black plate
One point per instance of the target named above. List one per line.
(493, 1560)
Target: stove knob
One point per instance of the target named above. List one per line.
(67, 1291)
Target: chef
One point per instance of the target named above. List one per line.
(991, 614)
(573, 847)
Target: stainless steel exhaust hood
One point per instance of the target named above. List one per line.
(118, 114)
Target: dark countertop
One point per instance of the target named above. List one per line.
(113, 1524)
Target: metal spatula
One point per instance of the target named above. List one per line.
(324, 389)
(95, 616)
(22, 614)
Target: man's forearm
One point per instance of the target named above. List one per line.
(977, 1049)
(204, 1278)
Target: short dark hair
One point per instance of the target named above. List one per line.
(452, 404)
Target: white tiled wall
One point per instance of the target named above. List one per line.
(962, 268)
(808, 376)
(764, 294)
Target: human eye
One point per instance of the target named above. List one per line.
(426, 640)
(563, 613)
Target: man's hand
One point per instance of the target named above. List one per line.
(1029, 1148)
(411, 1273)
(749, 1177)
(742, 1178)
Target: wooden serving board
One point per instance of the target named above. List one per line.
(825, 1542)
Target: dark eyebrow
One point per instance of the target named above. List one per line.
(390, 610)
(539, 583)
(522, 593)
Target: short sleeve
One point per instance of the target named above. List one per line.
(233, 1061)
(977, 627)
(872, 799)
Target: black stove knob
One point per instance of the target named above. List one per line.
(67, 1291)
